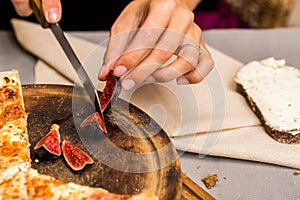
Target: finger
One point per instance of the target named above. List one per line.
(22, 7)
(167, 43)
(187, 59)
(138, 49)
(155, 59)
(137, 76)
(52, 10)
(116, 47)
(205, 65)
(146, 37)
(122, 32)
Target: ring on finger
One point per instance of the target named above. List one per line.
(197, 46)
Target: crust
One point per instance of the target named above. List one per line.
(280, 136)
(17, 179)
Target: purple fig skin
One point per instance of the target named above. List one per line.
(49, 145)
(75, 157)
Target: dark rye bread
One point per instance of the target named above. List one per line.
(250, 76)
(279, 135)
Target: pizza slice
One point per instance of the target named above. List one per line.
(42, 186)
(17, 179)
(15, 187)
(14, 143)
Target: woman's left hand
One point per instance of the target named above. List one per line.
(146, 37)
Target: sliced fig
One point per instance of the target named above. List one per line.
(108, 91)
(49, 145)
(95, 117)
(74, 156)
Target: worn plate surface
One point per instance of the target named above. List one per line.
(136, 155)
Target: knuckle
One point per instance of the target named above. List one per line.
(162, 55)
(189, 15)
(210, 63)
(191, 60)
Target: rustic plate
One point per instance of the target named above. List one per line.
(136, 155)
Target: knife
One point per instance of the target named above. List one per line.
(89, 87)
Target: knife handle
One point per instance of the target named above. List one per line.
(37, 8)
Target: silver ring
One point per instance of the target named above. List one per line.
(197, 46)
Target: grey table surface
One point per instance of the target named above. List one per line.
(238, 179)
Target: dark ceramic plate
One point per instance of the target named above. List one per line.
(136, 154)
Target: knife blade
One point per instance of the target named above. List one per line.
(88, 86)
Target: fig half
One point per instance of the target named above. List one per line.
(108, 91)
(95, 117)
(49, 145)
(74, 156)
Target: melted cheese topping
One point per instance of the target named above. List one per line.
(14, 144)
(11, 100)
(275, 89)
(17, 179)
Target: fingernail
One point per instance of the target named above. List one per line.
(120, 70)
(128, 84)
(182, 81)
(102, 68)
(150, 79)
(53, 15)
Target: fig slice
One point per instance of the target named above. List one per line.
(106, 99)
(74, 156)
(108, 91)
(95, 117)
(49, 145)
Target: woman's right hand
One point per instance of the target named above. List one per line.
(51, 8)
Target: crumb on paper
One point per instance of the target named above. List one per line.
(296, 173)
(210, 180)
(198, 167)
(225, 178)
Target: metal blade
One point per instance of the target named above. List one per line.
(88, 87)
(82, 74)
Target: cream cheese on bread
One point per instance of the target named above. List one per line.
(275, 89)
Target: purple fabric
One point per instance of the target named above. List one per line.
(220, 17)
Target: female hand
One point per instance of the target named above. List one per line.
(52, 9)
(156, 40)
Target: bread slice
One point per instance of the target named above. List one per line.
(272, 90)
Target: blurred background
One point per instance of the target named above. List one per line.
(210, 14)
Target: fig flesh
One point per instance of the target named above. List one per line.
(74, 156)
(95, 117)
(105, 101)
(49, 145)
(108, 91)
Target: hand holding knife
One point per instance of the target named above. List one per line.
(91, 91)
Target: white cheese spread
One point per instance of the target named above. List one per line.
(275, 89)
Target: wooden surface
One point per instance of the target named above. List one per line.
(192, 191)
(136, 155)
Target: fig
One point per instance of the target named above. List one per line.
(49, 145)
(108, 91)
(95, 117)
(106, 99)
(74, 156)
